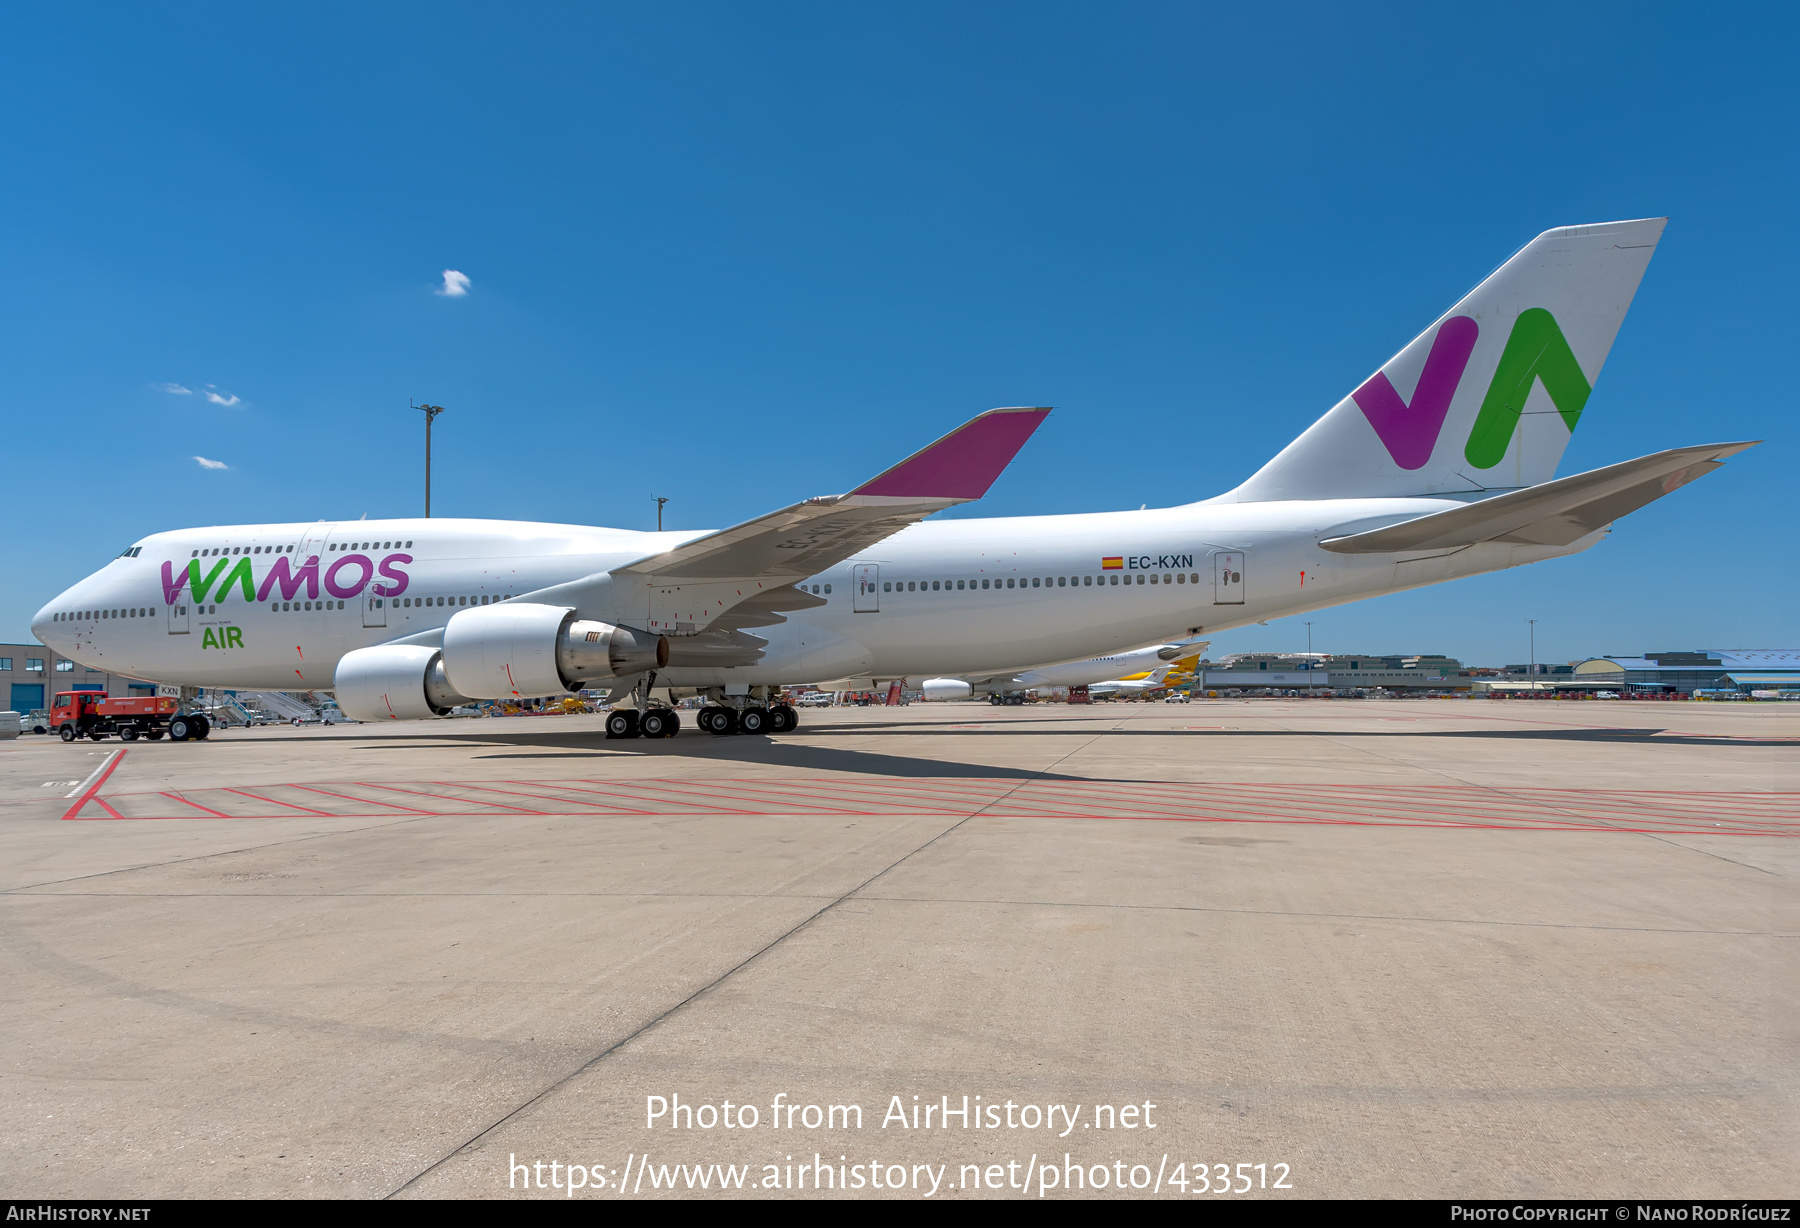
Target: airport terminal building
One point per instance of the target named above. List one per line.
(1747, 670)
(30, 674)
(1335, 671)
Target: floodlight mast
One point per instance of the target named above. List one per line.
(431, 412)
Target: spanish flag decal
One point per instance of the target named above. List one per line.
(1116, 563)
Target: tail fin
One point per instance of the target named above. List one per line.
(1486, 397)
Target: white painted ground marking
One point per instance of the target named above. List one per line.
(90, 779)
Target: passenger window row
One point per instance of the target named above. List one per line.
(205, 554)
(279, 606)
(933, 586)
(411, 602)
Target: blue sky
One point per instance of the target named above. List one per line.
(744, 254)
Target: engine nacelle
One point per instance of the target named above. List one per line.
(520, 649)
(394, 682)
(945, 688)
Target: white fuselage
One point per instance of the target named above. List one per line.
(1057, 589)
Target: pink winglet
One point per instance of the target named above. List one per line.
(964, 463)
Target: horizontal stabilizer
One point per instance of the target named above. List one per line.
(1551, 513)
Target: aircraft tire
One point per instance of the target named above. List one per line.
(783, 719)
(996, 699)
(660, 723)
(202, 726)
(753, 721)
(180, 729)
(722, 722)
(622, 724)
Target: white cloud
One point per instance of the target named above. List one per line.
(174, 390)
(220, 398)
(211, 464)
(455, 284)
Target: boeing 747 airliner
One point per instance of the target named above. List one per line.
(1440, 465)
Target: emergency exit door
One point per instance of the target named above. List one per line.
(1228, 577)
(374, 609)
(178, 615)
(868, 588)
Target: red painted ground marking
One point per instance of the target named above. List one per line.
(1006, 793)
(1437, 806)
(367, 801)
(103, 804)
(810, 798)
(605, 793)
(1397, 804)
(278, 802)
(810, 794)
(610, 793)
(92, 792)
(509, 792)
(217, 814)
(440, 797)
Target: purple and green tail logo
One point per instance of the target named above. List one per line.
(1535, 352)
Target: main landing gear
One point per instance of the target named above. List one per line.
(191, 725)
(644, 721)
(754, 719)
(650, 723)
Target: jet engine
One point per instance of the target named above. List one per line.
(519, 648)
(945, 688)
(394, 682)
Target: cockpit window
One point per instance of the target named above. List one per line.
(131, 552)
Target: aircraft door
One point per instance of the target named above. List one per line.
(1228, 577)
(374, 607)
(313, 542)
(868, 588)
(178, 614)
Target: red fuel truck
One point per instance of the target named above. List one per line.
(89, 714)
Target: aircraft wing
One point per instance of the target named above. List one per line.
(806, 538)
(1550, 513)
(744, 576)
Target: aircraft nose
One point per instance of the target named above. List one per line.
(44, 623)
